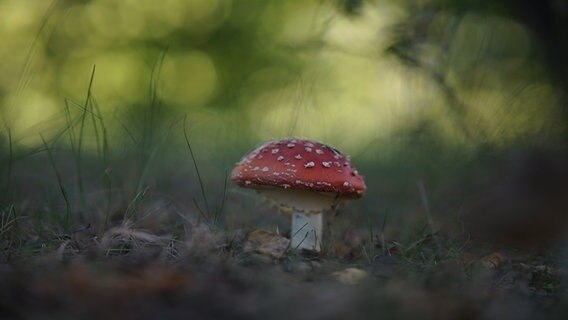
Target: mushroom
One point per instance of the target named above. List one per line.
(304, 178)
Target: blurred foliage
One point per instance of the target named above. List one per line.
(365, 76)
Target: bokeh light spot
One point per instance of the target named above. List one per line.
(188, 78)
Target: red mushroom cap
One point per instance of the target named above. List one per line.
(299, 164)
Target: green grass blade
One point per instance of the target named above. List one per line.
(222, 205)
(67, 221)
(195, 166)
(81, 135)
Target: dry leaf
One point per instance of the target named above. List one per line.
(266, 243)
(493, 261)
(350, 276)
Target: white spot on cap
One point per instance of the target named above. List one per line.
(326, 164)
(319, 151)
(280, 158)
(308, 149)
(275, 151)
(310, 164)
(309, 144)
(291, 145)
(298, 156)
(276, 173)
(247, 182)
(265, 169)
(346, 184)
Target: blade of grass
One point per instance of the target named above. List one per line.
(304, 239)
(67, 223)
(109, 196)
(300, 104)
(103, 154)
(195, 166)
(201, 213)
(96, 130)
(145, 168)
(81, 136)
(222, 206)
(149, 156)
(426, 204)
(70, 127)
(295, 233)
(130, 134)
(131, 211)
(38, 149)
(383, 226)
(154, 78)
(10, 162)
(104, 133)
(25, 75)
(149, 143)
(371, 238)
(8, 220)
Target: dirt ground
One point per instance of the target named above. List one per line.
(147, 257)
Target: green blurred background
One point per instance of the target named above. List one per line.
(407, 88)
(264, 69)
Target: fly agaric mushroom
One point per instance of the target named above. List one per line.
(303, 177)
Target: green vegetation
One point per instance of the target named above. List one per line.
(122, 119)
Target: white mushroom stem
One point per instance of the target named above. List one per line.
(306, 231)
(307, 218)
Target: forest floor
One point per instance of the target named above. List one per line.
(149, 259)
